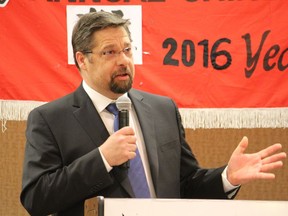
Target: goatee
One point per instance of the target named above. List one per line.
(122, 86)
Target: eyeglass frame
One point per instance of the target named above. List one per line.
(111, 53)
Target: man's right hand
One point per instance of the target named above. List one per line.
(119, 147)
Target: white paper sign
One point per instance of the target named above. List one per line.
(185, 207)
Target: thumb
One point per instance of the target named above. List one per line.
(242, 146)
(126, 131)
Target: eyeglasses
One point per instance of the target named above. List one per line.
(110, 54)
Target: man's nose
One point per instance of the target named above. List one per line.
(122, 59)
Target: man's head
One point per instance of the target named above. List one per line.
(103, 52)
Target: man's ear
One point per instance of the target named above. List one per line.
(80, 58)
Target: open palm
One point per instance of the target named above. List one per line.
(243, 168)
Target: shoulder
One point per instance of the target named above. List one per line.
(143, 95)
(63, 104)
(156, 102)
(57, 104)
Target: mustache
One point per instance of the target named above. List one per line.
(122, 72)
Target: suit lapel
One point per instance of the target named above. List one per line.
(89, 118)
(147, 124)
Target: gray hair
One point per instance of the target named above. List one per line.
(90, 23)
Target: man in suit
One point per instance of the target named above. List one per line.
(73, 153)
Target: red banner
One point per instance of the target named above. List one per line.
(203, 54)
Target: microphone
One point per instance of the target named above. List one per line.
(123, 104)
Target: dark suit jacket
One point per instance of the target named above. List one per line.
(63, 166)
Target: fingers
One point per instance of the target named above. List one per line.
(273, 162)
(242, 146)
(131, 154)
(129, 151)
(119, 147)
(270, 161)
(271, 166)
(243, 167)
(126, 131)
(270, 150)
(274, 158)
(265, 176)
(125, 136)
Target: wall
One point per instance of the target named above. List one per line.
(212, 147)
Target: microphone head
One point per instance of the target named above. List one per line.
(123, 103)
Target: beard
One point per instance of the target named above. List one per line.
(124, 86)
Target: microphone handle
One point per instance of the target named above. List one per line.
(123, 122)
(123, 118)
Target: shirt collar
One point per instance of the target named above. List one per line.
(100, 101)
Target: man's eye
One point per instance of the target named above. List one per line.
(108, 52)
(127, 50)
